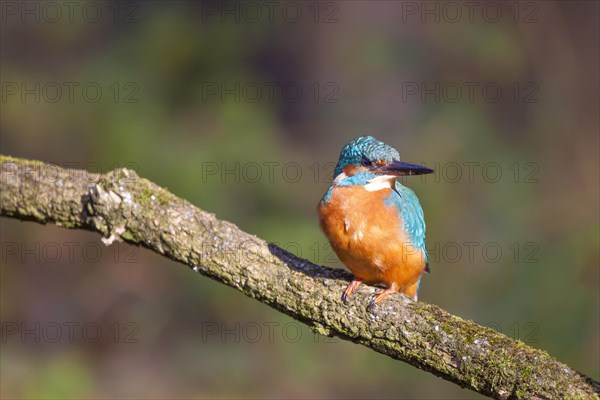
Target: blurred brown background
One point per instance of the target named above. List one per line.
(241, 108)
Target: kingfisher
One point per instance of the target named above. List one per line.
(375, 224)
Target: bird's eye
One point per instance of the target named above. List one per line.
(365, 162)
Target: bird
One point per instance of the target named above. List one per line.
(375, 224)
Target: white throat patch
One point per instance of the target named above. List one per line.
(381, 182)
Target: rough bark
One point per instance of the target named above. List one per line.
(122, 206)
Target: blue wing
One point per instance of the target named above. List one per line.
(406, 201)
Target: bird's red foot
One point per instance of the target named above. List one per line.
(351, 288)
(380, 296)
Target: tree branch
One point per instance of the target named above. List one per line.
(122, 206)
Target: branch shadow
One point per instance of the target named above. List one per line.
(306, 267)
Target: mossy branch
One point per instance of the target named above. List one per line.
(122, 206)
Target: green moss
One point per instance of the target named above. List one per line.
(148, 194)
(129, 236)
(22, 161)
(4, 158)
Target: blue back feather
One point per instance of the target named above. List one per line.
(407, 203)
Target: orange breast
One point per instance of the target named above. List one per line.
(369, 238)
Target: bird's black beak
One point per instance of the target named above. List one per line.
(400, 168)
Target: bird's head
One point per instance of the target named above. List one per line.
(369, 154)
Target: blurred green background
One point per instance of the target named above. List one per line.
(242, 108)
